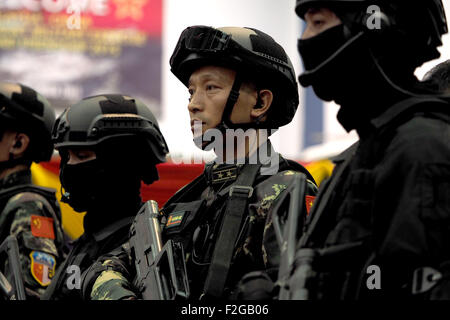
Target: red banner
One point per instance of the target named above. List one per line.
(71, 49)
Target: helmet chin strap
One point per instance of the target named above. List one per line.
(233, 97)
(225, 122)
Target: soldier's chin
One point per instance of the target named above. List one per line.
(202, 144)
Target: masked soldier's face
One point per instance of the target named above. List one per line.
(78, 177)
(318, 20)
(76, 156)
(209, 88)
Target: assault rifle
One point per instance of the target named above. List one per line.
(299, 267)
(16, 290)
(292, 218)
(161, 270)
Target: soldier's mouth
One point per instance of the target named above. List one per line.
(196, 125)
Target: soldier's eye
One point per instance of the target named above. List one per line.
(211, 87)
(191, 93)
(83, 155)
(318, 22)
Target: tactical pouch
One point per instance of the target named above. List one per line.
(180, 220)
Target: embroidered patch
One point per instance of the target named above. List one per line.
(175, 219)
(220, 176)
(42, 227)
(309, 200)
(42, 267)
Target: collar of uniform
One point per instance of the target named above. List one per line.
(218, 173)
(257, 157)
(112, 228)
(16, 178)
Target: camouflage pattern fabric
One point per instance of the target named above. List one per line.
(26, 215)
(111, 277)
(257, 246)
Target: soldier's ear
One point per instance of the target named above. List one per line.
(263, 103)
(19, 144)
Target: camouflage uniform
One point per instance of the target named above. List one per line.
(257, 248)
(86, 250)
(34, 218)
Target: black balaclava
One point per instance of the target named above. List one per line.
(108, 188)
(356, 77)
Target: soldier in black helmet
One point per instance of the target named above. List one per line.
(108, 145)
(28, 212)
(238, 79)
(379, 228)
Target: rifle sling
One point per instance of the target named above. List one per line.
(236, 205)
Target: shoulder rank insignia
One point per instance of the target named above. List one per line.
(309, 200)
(42, 227)
(222, 175)
(175, 219)
(42, 267)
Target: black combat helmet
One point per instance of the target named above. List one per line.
(115, 124)
(409, 31)
(253, 54)
(24, 109)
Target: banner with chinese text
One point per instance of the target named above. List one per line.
(71, 49)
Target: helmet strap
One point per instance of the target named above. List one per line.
(225, 122)
(231, 101)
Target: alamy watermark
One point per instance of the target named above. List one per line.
(235, 146)
(74, 9)
(74, 279)
(374, 280)
(375, 16)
